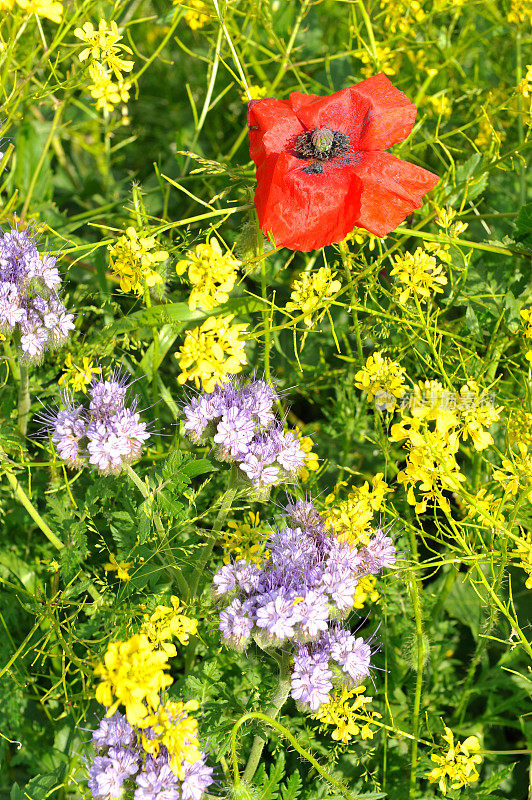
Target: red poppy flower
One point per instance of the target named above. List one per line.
(322, 168)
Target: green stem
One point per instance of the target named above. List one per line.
(23, 399)
(278, 701)
(293, 741)
(264, 295)
(415, 595)
(345, 261)
(225, 506)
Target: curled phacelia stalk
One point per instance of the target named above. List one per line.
(107, 433)
(240, 420)
(296, 599)
(31, 313)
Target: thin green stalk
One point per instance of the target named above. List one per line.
(349, 278)
(278, 700)
(37, 170)
(204, 556)
(176, 573)
(415, 596)
(21, 495)
(23, 399)
(293, 741)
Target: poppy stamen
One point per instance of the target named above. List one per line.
(322, 144)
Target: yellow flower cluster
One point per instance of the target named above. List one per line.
(78, 378)
(385, 61)
(106, 66)
(362, 237)
(525, 84)
(167, 623)
(133, 259)
(350, 518)
(366, 591)
(381, 378)
(520, 11)
(256, 92)
(516, 471)
(311, 462)
(349, 718)
(212, 352)
(431, 428)
(526, 317)
(402, 15)
(211, 273)
(310, 289)
(523, 551)
(244, 539)
(49, 9)
(132, 675)
(171, 727)
(458, 765)
(196, 14)
(420, 275)
(486, 508)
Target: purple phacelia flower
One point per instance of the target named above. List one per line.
(311, 680)
(107, 435)
(30, 310)
(198, 778)
(241, 420)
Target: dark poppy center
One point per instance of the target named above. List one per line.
(322, 144)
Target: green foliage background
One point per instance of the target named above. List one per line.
(453, 621)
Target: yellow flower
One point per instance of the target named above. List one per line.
(381, 378)
(486, 508)
(78, 378)
(256, 92)
(120, 567)
(103, 46)
(361, 236)
(402, 15)
(311, 463)
(350, 518)
(166, 623)
(197, 13)
(385, 61)
(133, 258)
(458, 765)
(526, 316)
(244, 539)
(104, 90)
(366, 591)
(349, 719)
(172, 727)
(50, 9)
(477, 411)
(420, 275)
(520, 11)
(212, 352)
(132, 674)
(523, 551)
(309, 291)
(441, 105)
(516, 471)
(211, 273)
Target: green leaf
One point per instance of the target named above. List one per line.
(179, 314)
(472, 321)
(464, 604)
(523, 225)
(494, 781)
(292, 788)
(29, 146)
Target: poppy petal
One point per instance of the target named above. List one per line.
(305, 211)
(299, 99)
(272, 125)
(343, 111)
(390, 117)
(388, 190)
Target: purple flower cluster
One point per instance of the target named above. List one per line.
(306, 584)
(107, 434)
(240, 419)
(121, 763)
(30, 309)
